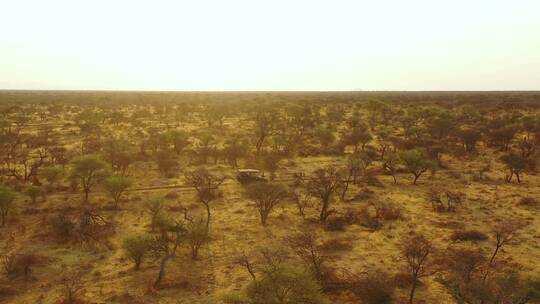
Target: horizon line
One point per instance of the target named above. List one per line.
(265, 91)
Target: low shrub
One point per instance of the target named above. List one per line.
(468, 235)
(17, 265)
(369, 219)
(374, 182)
(172, 195)
(364, 194)
(529, 202)
(336, 223)
(376, 288)
(389, 211)
(336, 245)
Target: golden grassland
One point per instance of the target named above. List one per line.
(109, 276)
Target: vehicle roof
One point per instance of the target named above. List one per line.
(248, 170)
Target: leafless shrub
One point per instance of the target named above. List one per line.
(388, 211)
(87, 225)
(529, 202)
(369, 219)
(324, 184)
(417, 251)
(261, 258)
(375, 287)
(364, 194)
(468, 235)
(374, 214)
(16, 265)
(71, 288)
(336, 245)
(336, 223)
(302, 201)
(306, 246)
(172, 195)
(463, 264)
(244, 261)
(505, 233)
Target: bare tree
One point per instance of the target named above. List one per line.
(416, 251)
(390, 163)
(505, 234)
(265, 124)
(244, 261)
(71, 287)
(164, 247)
(302, 201)
(266, 196)
(206, 186)
(305, 244)
(323, 184)
(154, 206)
(7, 205)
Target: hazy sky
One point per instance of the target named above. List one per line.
(270, 45)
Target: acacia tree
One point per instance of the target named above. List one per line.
(469, 138)
(196, 236)
(116, 185)
(206, 186)
(302, 201)
(89, 170)
(390, 163)
(325, 136)
(417, 162)
(234, 149)
(266, 196)
(505, 234)
(154, 206)
(305, 245)
(167, 162)
(357, 137)
(119, 153)
(7, 198)
(516, 165)
(206, 145)
(164, 247)
(416, 251)
(179, 140)
(59, 155)
(280, 282)
(24, 165)
(265, 124)
(34, 192)
(270, 163)
(136, 246)
(323, 184)
(502, 134)
(349, 175)
(384, 140)
(52, 174)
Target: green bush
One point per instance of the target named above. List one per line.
(279, 284)
(7, 205)
(136, 246)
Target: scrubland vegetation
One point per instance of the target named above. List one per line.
(110, 197)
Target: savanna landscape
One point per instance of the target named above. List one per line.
(269, 197)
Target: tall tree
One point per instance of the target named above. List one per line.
(266, 196)
(323, 184)
(206, 186)
(89, 170)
